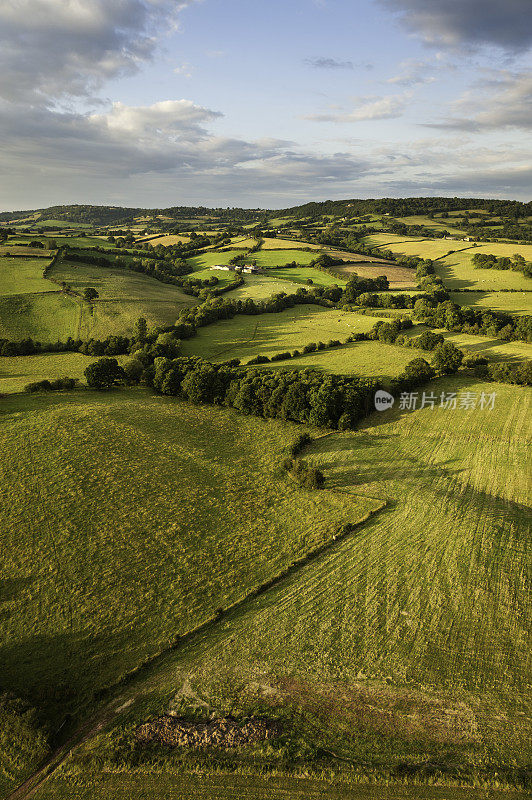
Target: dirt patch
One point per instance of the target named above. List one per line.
(174, 732)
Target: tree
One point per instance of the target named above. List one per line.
(104, 373)
(429, 340)
(141, 329)
(419, 370)
(90, 293)
(447, 358)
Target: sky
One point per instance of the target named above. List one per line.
(156, 103)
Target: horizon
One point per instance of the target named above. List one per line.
(148, 103)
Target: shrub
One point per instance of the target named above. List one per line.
(104, 373)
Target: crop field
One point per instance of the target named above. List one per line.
(302, 274)
(509, 302)
(266, 334)
(278, 258)
(23, 276)
(16, 372)
(46, 317)
(136, 527)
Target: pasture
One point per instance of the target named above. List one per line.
(134, 528)
(509, 302)
(278, 258)
(259, 287)
(246, 336)
(287, 244)
(23, 276)
(369, 359)
(16, 371)
(302, 275)
(46, 316)
(212, 257)
(403, 643)
(458, 272)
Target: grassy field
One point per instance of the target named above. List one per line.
(457, 271)
(23, 276)
(259, 287)
(16, 372)
(405, 644)
(266, 334)
(134, 528)
(211, 258)
(302, 274)
(370, 359)
(509, 302)
(277, 258)
(234, 787)
(45, 317)
(124, 296)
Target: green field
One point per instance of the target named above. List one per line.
(277, 258)
(259, 287)
(16, 372)
(405, 643)
(211, 258)
(245, 336)
(124, 296)
(457, 271)
(302, 274)
(45, 317)
(23, 276)
(370, 359)
(509, 302)
(184, 518)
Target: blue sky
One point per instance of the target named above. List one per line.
(234, 102)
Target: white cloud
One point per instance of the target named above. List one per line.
(369, 108)
(414, 73)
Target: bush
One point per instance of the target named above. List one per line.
(258, 360)
(104, 373)
(51, 386)
(281, 356)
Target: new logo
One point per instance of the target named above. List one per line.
(383, 400)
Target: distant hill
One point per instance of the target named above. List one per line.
(408, 206)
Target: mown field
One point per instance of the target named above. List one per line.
(245, 336)
(286, 244)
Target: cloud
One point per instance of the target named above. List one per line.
(370, 108)
(328, 63)
(414, 73)
(457, 23)
(55, 49)
(501, 101)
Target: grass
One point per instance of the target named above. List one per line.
(266, 334)
(494, 349)
(302, 274)
(229, 787)
(23, 276)
(45, 317)
(404, 645)
(124, 296)
(212, 257)
(370, 359)
(458, 272)
(278, 258)
(17, 371)
(259, 287)
(134, 528)
(509, 302)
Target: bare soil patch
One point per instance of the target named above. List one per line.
(175, 732)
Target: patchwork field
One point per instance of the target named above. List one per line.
(278, 258)
(302, 274)
(266, 334)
